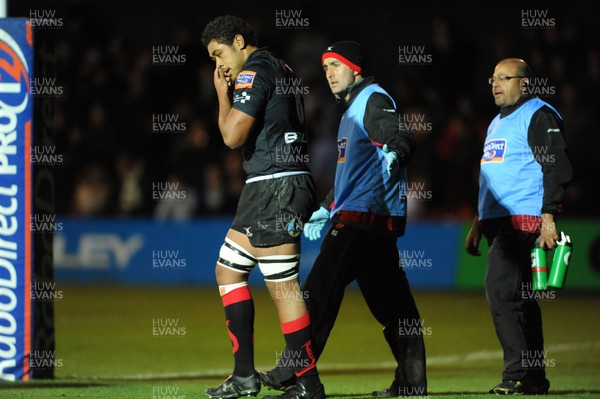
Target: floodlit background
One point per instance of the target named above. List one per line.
(145, 188)
(124, 65)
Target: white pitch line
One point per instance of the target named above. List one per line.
(431, 361)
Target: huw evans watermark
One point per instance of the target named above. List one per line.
(290, 87)
(168, 123)
(168, 327)
(45, 87)
(415, 259)
(168, 191)
(166, 392)
(536, 360)
(291, 19)
(418, 191)
(410, 327)
(539, 87)
(168, 259)
(414, 55)
(529, 294)
(537, 19)
(44, 223)
(45, 291)
(44, 359)
(45, 155)
(45, 19)
(414, 123)
(168, 55)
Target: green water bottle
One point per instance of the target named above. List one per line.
(539, 270)
(560, 262)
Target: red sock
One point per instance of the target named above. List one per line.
(298, 340)
(239, 313)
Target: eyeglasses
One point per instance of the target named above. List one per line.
(503, 79)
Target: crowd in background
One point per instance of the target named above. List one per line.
(118, 164)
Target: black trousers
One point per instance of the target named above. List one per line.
(352, 254)
(517, 316)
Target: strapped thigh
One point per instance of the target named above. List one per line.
(279, 267)
(234, 257)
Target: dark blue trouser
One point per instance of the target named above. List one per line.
(517, 316)
(352, 254)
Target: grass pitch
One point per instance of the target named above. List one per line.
(158, 343)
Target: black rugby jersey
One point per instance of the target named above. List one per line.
(268, 90)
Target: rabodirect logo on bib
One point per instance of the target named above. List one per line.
(342, 145)
(493, 151)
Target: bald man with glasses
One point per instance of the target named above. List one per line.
(524, 172)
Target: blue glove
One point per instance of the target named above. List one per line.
(390, 157)
(312, 228)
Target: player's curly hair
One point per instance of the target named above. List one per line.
(223, 30)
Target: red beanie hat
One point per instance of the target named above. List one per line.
(347, 52)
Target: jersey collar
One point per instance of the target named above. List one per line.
(354, 90)
(505, 111)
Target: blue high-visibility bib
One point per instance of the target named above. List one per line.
(511, 180)
(361, 180)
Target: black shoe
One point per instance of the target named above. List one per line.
(522, 388)
(234, 387)
(395, 391)
(299, 391)
(268, 380)
(390, 392)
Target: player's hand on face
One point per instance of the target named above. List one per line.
(222, 81)
(228, 77)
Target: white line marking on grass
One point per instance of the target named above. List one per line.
(324, 367)
(456, 359)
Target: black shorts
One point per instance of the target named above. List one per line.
(273, 212)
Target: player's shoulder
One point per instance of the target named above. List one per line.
(258, 69)
(261, 61)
